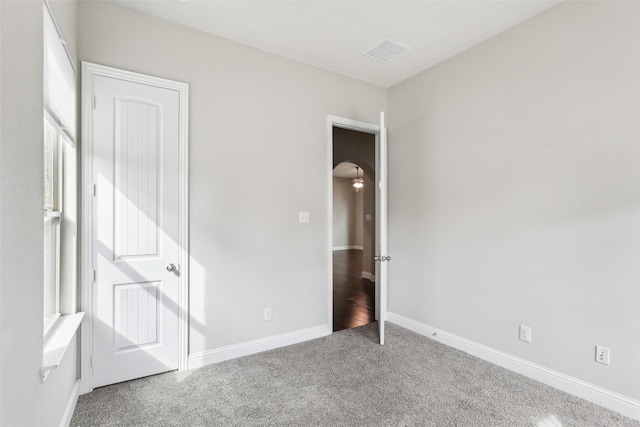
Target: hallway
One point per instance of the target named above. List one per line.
(353, 297)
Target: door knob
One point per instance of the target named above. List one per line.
(171, 267)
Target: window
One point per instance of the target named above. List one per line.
(59, 172)
(52, 217)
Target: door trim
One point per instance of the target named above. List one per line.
(340, 122)
(89, 71)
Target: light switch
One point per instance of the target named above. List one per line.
(303, 217)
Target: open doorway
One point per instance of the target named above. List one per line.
(354, 226)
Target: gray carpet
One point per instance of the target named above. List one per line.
(345, 379)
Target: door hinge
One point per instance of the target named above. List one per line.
(93, 102)
(91, 360)
(94, 190)
(93, 275)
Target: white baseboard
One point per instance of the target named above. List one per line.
(71, 405)
(344, 248)
(598, 395)
(369, 276)
(197, 360)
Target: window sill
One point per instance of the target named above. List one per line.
(49, 325)
(58, 341)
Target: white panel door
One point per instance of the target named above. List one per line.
(382, 257)
(135, 132)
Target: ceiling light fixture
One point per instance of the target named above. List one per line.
(358, 183)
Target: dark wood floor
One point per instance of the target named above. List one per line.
(354, 298)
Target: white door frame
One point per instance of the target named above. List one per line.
(89, 71)
(341, 122)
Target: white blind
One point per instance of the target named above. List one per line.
(59, 79)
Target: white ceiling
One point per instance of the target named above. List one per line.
(333, 34)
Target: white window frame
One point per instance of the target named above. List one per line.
(53, 213)
(60, 94)
(60, 110)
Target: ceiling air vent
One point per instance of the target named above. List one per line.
(387, 50)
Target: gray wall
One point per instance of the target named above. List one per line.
(347, 214)
(522, 155)
(369, 226)
(251, 172)
(25, 400)
(358, 217)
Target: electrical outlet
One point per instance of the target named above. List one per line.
(267, 314)
(602, 355)
(525, 333)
